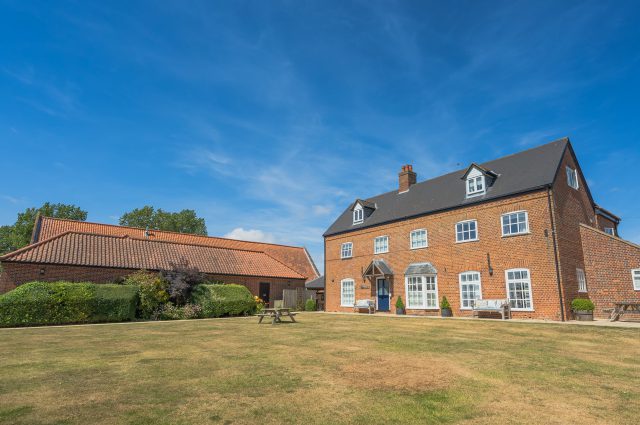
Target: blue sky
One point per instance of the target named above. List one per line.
(268, 118)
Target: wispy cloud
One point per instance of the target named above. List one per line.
(12, 199)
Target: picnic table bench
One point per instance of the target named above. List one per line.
(494, 306)
(623, 307)
(276, 315)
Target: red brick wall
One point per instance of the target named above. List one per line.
(533, 251)
(609, 261)
(15, 274)
(571, 207)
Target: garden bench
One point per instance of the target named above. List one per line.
(492, 306)
(624, 307)
(364, 304)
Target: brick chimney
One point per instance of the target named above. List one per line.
(406, 178)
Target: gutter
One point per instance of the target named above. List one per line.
(555, 254)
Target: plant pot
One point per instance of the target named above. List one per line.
(400, 311)
(583, 315)
(446, 312)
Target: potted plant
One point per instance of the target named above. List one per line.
(582, 309)
(399, 306)
(445, 308)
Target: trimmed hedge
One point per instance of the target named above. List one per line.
(582, 304)
(223, 300)
(54, 303)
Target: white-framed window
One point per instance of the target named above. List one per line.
(582, 280)
(470, 289)
(467, 231)
(572, 177)
(421, 292)
(418, 239)
(347, 292)
(519, 289)
(381, 245)
(475, 185)
(346, 250)
(610, 231)
(515, 223)
(358, 214)
(635, 275)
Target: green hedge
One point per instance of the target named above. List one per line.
(53, 303)
(223, 300)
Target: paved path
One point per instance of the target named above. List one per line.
(597, 322)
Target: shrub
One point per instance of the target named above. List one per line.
(259, 304)
(172, 312)
(53, 303)
(444, 304)
(152, 290)
(310, 305)
(399, 303)
(223, 300)
(181, 279)
(583, 304)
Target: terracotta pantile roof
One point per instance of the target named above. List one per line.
(296, 258)
(89, 249)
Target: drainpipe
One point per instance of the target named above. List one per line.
(555, 255)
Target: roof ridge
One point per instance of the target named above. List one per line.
(134, 238)
(34, 245)
(168, 231)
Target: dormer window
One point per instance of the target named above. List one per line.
(477, 178)
(475, 185)
(358, 214)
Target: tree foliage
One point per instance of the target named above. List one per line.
(182, 278)
(185, 221)
(19, 234)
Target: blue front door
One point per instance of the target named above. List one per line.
(383, 294)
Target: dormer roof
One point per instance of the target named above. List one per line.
(480, 168)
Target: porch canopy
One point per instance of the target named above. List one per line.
(377, 268)
(420, 269)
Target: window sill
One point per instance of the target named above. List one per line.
(470, 240)
(419, 247)
(346, 258)
(346, 306)
(513, 235)
(475, 195)
(382, 252)
(522, 309)
(423, 308)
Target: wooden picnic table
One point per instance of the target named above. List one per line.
(623, 307)
(276, 315)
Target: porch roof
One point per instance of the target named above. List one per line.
(420, 268)
(377, 268)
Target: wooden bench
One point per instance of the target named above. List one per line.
(624, 307)
(364, 304)
(492, 306)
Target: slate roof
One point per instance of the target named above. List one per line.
(315, 283)
(89, 249)
(296, 258)
(420, 269)
(518, 173)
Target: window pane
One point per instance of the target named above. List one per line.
(519, 287)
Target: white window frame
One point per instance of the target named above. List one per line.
(528, 281)
(466, 240)
(472, 185)
(635, 279)
(342, 297)
(610, 231)
(375, 246)
(424, 292)
(343, 249)
(526, 222)
(478, 283)
(426, 239)
(358, 214)
(582, 280)
(572, 178)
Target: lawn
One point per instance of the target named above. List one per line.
(325, 369)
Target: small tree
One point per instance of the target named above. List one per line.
(444, 304)
(182, 278)
(399, 303)
(310, 305)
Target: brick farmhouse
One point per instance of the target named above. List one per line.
(92, 252)
(523, 227)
